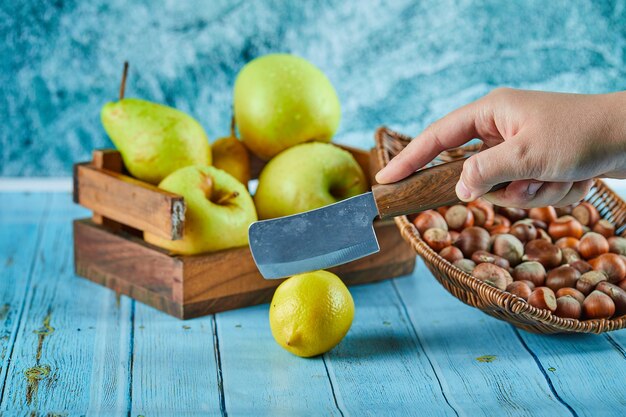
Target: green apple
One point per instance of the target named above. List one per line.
(282, 100)
(218, 211)
(305, 177)
(154, 140)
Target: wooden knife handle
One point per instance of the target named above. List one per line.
(426, 189)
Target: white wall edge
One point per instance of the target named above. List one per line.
(36, 184)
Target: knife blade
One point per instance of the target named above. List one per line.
(342, 232)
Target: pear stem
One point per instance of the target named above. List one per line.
(226, 198)
(232, 126)
(123, 83)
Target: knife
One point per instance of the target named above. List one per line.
(342, 232)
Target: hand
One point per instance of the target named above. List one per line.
(549, 145)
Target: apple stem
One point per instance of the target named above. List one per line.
(232, 126)
(226, 198)
(123, 83)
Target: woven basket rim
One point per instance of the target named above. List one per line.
(491, 300)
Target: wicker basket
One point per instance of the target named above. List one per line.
(497, 303)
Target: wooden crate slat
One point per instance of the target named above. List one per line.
(192, 286)
(129, 201)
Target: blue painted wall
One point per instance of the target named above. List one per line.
(400, 63)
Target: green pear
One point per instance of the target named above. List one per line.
(154, 140)
(218, 211)
(281, 100)
(306, 177)
(230, 155)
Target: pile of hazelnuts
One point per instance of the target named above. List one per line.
(566, 260)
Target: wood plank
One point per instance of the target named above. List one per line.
(129, 201)
(21, 224)
(174, 366)
(71, 353)
(380, 367)
(458, 340)
(260, 378)
(584, 370)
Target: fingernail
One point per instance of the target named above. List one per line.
(533, 187)
(462, 191)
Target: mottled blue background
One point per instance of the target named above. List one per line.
(400, 63)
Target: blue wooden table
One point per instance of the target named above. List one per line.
(70, 347)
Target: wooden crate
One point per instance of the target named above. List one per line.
(109, 248)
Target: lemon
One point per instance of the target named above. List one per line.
(310, 313)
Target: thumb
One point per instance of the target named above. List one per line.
(481, 172)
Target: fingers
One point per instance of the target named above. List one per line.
(578, 191)
(529, 193)
(452, 130)
(504, 162)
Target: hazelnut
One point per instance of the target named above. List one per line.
(500, 220)
(582, 266)
(565, 226)
(483, 212)
(530, 271)
(509, 247)
(617, 294)
(524, 231)
(572, 292)
(472, 239)
(543, 297)
(568, 307)
(465, 265)
(493, 275)
(459, 217)
(593, 244)
(544, 214)
(519, 288)
(437, 239)
(588, 281)
(563, 276)
(569, 256)
(451, 254)
(513, 214)
(543, 252)
(598, 305)
(586, 214)
(567, 242)
(617, 245)
(611, 264)
(430, 219)
(604, 227)
(481, 256)
(499, 229)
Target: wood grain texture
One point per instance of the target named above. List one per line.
(192, 286)
(66, 322)
(129, 201)
(427, 189)
(22, 220)
(262, 379)
(379, 369)
(584, 370)
(454, 336)
(174, 366)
